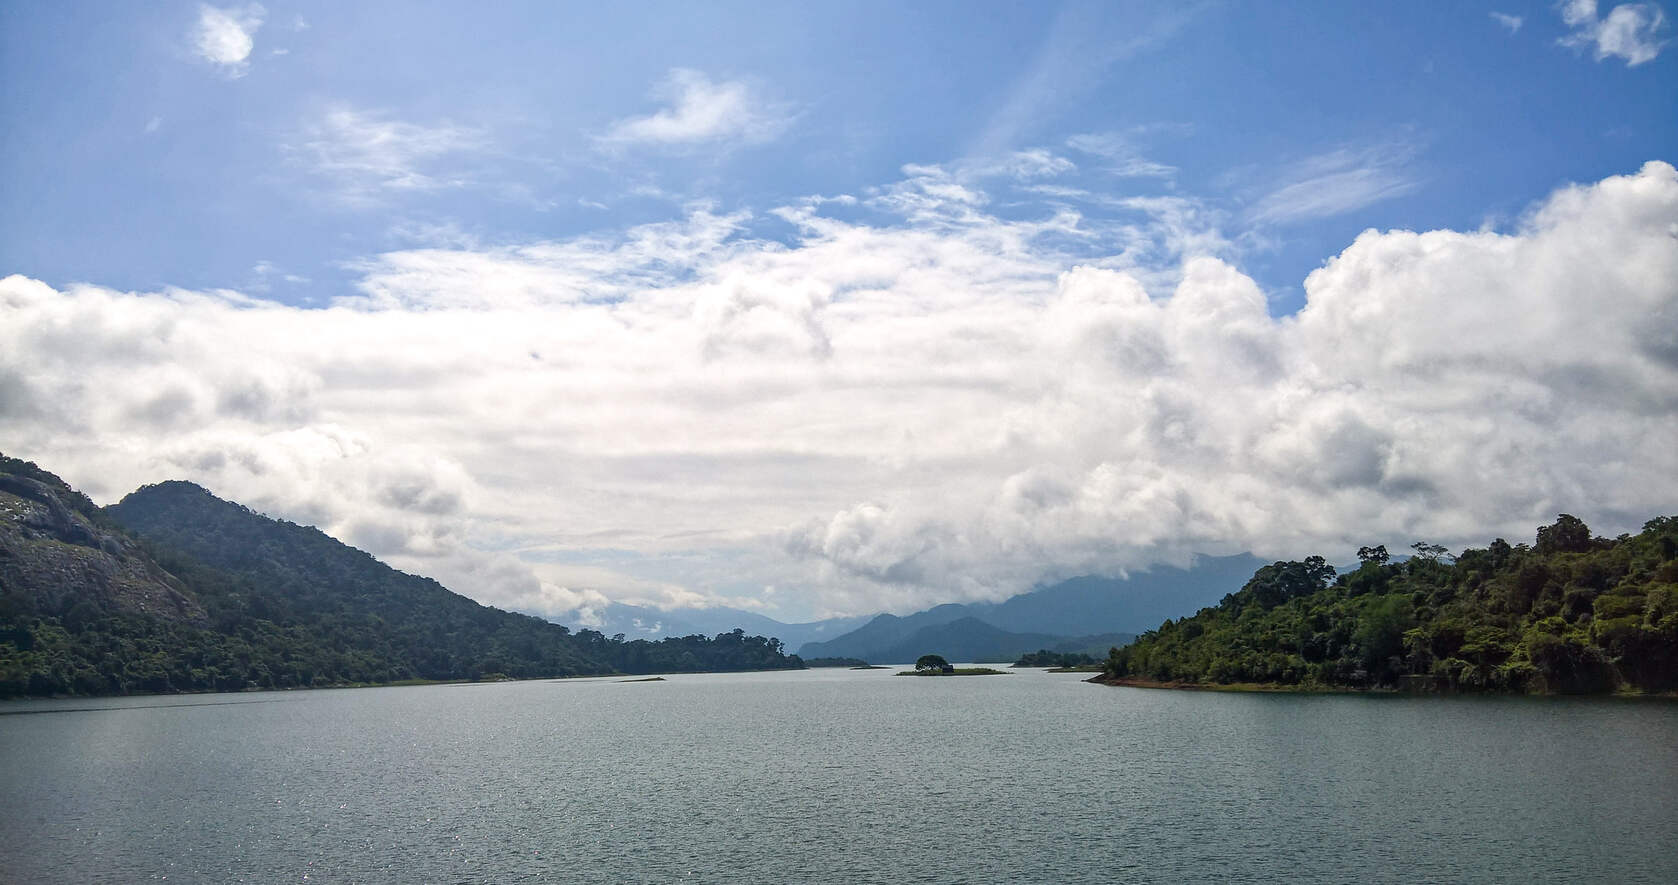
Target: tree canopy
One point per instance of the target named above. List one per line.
(933, 662)
(1571, 613)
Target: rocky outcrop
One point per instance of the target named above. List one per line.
(56, 558)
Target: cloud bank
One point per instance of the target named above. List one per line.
(931, 405)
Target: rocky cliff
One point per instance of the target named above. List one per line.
(59, 554)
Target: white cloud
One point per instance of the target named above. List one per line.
(1632, 31)
(1123, 158)
(225, 37)
(942, 406)
(369, 155)
(1334, 183)
(700, 111)
(1510, 22)
(1035, 163)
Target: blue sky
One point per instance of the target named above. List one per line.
(789, 301)
(143, 165)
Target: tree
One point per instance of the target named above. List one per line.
(1424, 550)
(1377, 554)
(1279, 582)
(933, 662)
(1568, 535)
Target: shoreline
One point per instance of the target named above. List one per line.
(1280, 688)
(400, 683)
(1238, 687)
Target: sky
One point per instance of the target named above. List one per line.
(835, 309)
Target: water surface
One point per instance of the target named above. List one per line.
(835, 776)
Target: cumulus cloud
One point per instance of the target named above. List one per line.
(937, 404)
(225, 37)
(700, 111)
(1632, 31)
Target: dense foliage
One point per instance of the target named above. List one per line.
(287, 606)
(834, 662)
(1045, 658)
(933, 662)
(1570, 613)
(733, 650)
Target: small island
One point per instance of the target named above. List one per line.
(935, 665)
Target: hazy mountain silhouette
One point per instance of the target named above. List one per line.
(1074, 608)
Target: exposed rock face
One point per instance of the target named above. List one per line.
(56, 557)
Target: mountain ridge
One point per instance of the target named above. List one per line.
(650, 622)
(173, 589)
(1064, 611)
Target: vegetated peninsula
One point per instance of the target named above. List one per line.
(1571, 613)
(852, 663)
(174, 589)
(1055, 659)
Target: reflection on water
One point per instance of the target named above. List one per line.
(836, 776)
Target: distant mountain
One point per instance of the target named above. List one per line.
(174, 589)
(647, 622)
(1063, 611)
(716, 620)
(883, 632)
(1130, 605)
(970, 639)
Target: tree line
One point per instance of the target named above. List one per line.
(1568, 613)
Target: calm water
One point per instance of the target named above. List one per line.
(835, 776)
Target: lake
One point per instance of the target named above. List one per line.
(835, 776)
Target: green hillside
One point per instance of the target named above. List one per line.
(174, 589)
(1570, 613)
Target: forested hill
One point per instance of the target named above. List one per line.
(1570, 613)
(174, 589)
